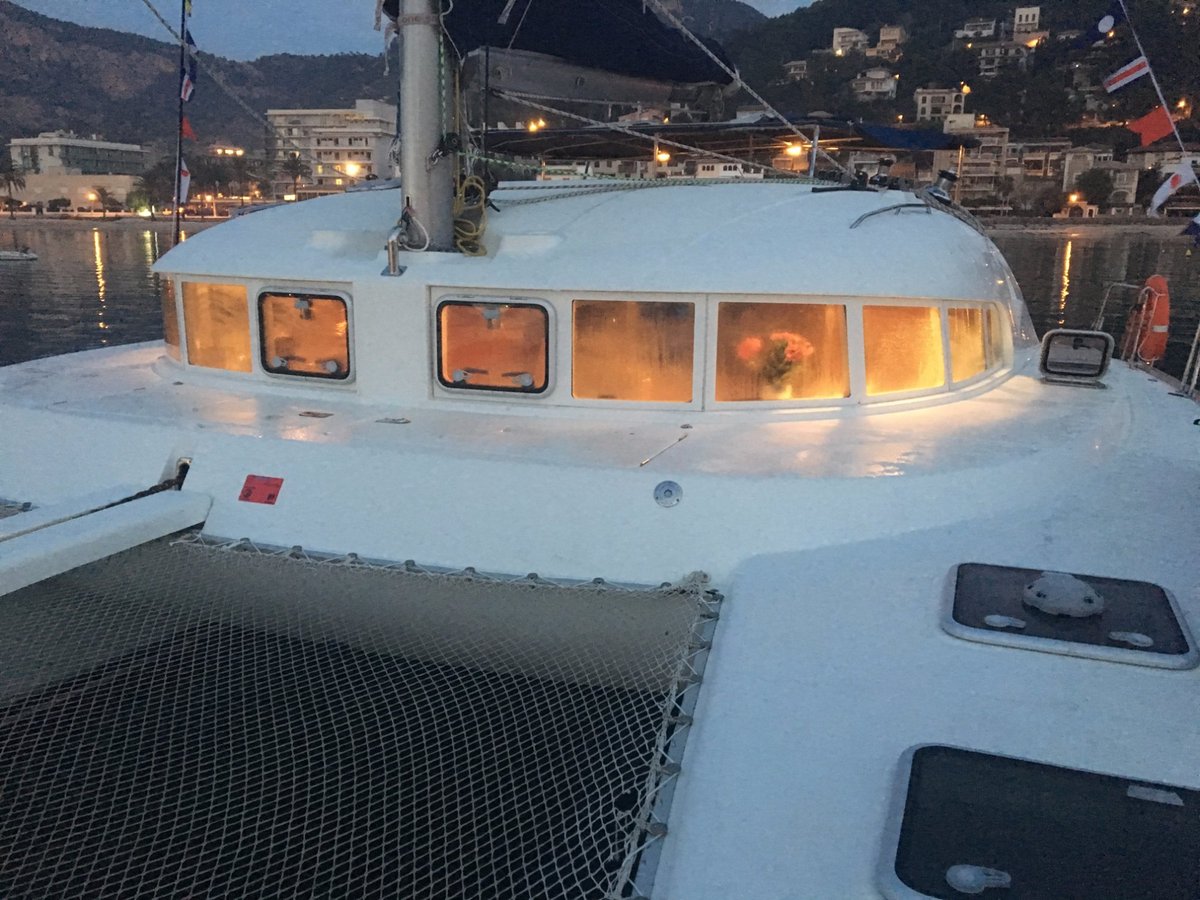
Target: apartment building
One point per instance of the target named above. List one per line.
(340, 146)
(934, 104)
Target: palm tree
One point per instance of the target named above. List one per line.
(239, 174)
(12, 178)
(104, 197)
(295, 168)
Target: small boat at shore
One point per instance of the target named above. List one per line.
(22, 255)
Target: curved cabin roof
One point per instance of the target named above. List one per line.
(769, 238)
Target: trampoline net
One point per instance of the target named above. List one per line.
(183, 720)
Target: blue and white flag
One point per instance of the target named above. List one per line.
(1099, 28)
(1193, 228)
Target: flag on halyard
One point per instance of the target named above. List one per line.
(185, 128)
(1176, 178)
(187, 7)
(1101, 25)
(1153, 125)
(1193, 228)
(187, 38)
(187, 83)
(1131, 71)
(185, 182)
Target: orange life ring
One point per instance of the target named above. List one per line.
(1145, 336)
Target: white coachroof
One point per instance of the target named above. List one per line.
(737, 238)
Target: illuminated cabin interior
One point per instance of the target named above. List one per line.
(664, 351)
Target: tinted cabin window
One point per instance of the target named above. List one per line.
(624, 350)
(781, 351)
(967, 342)
(170, 318)
(493, 346)
(304, 334)
(903, 348)
(997, 327)
(217, 320)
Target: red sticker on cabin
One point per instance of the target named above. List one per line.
(260, 489)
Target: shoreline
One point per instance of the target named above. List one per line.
(1160, 227)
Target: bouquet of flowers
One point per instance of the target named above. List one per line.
(773, 358)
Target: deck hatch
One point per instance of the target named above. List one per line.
(1051, 832)
(1140, 622)
(181, 720)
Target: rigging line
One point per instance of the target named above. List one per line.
(527, 100)
(1158, 90)
(517, 30)
(732, 73)
(211, 72)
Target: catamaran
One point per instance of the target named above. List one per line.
(726, 539)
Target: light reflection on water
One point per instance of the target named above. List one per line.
(92, 285)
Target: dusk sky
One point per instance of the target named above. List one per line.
(245, 29)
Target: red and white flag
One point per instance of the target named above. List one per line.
(1131, 71)
(185, 182)
(1177, 178)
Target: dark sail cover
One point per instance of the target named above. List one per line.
(621, 36)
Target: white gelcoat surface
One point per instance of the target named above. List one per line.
(831, 532)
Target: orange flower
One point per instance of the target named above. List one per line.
(748, 348)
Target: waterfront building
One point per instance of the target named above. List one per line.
(1078, 160)
(979, 168)
(340, 146)
(1036, 160)
(67, 170)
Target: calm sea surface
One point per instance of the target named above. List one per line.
(92, 285)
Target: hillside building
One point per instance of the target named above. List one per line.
(891, 40)
(996, 57)
(341, 146)
(796, 70)
(847, 40)
(977, 30)
(876, 83)
(934, 104)
(1026, 21)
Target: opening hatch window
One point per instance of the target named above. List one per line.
(304, 334)
(493, 346)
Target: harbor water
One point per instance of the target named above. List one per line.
(92, 286)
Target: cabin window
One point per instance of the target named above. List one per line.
(170, 314)
(782, 351)
(626, 350)
(216, 318)
(997, 328)
(968, 349)
(493, 346)
(903, 348)
(304, 334)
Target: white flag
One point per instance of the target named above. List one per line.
(1177, 178)
(185, 181)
